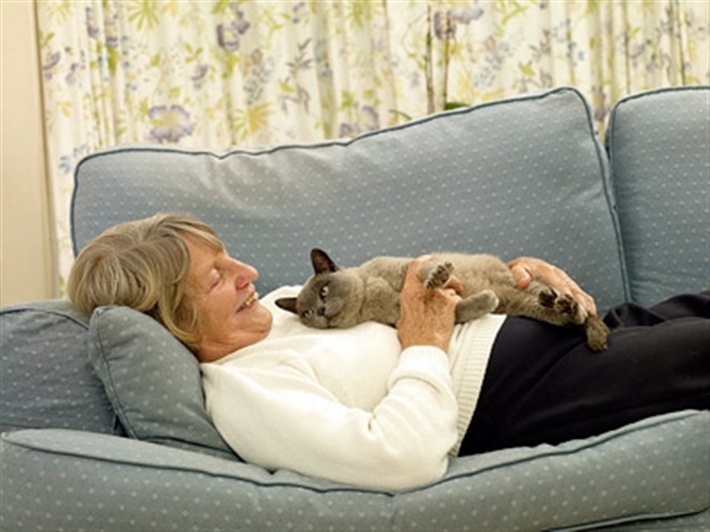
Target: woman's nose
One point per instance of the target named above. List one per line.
(245, 274)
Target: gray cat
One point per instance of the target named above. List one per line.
(338, 297)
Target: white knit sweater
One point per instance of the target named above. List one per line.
(349, 405)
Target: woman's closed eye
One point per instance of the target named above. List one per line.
(215, 280)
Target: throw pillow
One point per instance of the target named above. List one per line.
(153, 381)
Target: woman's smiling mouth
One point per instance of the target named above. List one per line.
(250, 302)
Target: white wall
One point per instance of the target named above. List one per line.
(26, 265)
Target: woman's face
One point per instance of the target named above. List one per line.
(222, 288)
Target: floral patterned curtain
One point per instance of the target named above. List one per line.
(224, 73)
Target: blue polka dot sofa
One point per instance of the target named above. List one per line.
(103, 420)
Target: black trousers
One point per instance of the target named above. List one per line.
(543, 385)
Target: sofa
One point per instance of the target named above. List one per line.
(102, 417)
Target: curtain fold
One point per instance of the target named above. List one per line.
(223, 73)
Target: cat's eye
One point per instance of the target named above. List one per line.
(324, 291)
(308, 313)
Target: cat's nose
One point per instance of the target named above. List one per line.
(321, 311)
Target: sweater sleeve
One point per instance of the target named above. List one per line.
(286, 419)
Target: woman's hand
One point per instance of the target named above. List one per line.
(525, 268)
(427, 317)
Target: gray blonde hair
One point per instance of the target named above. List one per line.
(143, 265)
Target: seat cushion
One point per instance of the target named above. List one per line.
(653, 469)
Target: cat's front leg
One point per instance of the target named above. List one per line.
(566, 307)
(569, 309)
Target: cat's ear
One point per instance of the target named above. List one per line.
(287, 303)
(322, 263)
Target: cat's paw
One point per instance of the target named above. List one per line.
(439, 276)
(566, 304)
(547, 298)
(569, 306)
(563, 304)
(487, 301)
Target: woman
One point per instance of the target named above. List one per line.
(386, 408)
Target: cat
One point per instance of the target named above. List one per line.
(336, 297)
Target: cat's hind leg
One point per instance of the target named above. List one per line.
(475, 306)
(436, 275)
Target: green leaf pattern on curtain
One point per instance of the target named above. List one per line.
(228, 73)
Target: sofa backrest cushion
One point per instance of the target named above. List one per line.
(152, 381)
(658, 148)
(47, 381)
(525, 176)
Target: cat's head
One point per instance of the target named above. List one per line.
(331, 298)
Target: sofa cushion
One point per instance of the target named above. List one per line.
(153, 381)
(658, 147)
(47, 381)
(450, 181)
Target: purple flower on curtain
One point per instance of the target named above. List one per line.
(258, 75)
(68, 161)
(70, 78)
(50, 62)
(65, 164)
(199, 75)
(466, 16)
(366, 119)
(227, 39)
(445, 23)
(561, 32)
(573, 54)
(240, 25)
(298, 11)
(320, 56)
(228, 35)
(492, 62)
(169, 125)
(601, 107)
(415, 79)
(442, 28)
(91, 27)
